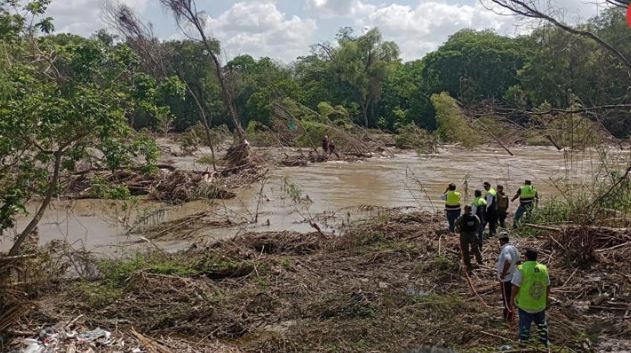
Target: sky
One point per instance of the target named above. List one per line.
(285, 29)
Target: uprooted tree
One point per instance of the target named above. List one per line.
(187, 16)
(155, 60)
(65, 102)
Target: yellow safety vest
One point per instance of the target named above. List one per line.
(527, 194)
(452, 202)
(479, 201)
(533, 287)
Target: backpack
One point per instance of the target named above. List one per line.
(502, 202)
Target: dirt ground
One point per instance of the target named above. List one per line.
(394, 283)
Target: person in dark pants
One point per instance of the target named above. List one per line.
(530, 293)
(506, 267)
(452, 205)
(468, 225)
(491, 209)
(478, 207)
(502, 206)
(325, 145)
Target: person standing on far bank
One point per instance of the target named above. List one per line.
(530, 293)
(452, 205)
(528, 197)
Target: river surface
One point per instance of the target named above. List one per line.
(333, 194)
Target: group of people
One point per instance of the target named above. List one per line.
(524, 285)
(490, 209)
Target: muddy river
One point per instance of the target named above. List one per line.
(333, 194)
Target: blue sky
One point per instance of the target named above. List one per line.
(285, 29)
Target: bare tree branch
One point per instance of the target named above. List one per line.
(185, 11)
(140, 37)
(528, 8)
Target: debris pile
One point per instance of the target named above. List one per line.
(583, 246)
(169, 185)
(392, 283)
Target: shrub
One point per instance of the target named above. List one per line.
(452, 124)
(412, 137)
(189, 141)
(102, 189)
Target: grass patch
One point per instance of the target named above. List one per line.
(117, 272)
(220, 268)
(206, 159)
(97, 295)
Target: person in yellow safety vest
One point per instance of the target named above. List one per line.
(491, 209)
(530, 293)
(452, 205)
(528, 196)
(478, 207)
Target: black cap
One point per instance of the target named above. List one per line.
(504, 235)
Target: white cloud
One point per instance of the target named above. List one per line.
(423, 28)
(83, 17)
(330, 8)
(260, 29)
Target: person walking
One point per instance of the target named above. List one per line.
(530, 293)
(467, 225)
(502, 206)
(452, 205)
(491, 209)
(506, 266)
(478, 207)
(528, 196)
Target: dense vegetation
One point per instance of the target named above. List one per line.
(365, 77)
(67, 100)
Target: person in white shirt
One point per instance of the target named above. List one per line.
(506, 266)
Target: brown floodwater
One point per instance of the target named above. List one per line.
(333, 193)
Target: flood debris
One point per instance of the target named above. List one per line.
(169, 185)
(185, 227)
(391, 283)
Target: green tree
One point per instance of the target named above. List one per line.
(69, 104)
(452, 123)
(363, 64)
(405, 98)
(258, 84)
(473, 66)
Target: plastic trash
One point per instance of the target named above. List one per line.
(97, 335)
(506, 347)
(33, 347)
